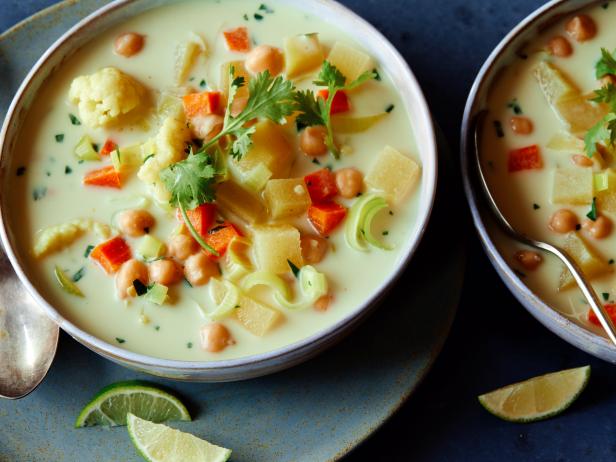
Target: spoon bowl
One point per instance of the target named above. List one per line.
(28, 338)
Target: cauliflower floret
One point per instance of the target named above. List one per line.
(169, 145)
(105, 96)
(55, 238)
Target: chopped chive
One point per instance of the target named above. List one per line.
(316, 161)
(606, 296)
(246, 17)
(148, 157)
(515, 106)
(48, 173)
(68, 170)
(120, 340)
(187, 283)
(391, 213)
(236, 307)
(389, 108)
(96, 147)
(605, 6)
(59, 137)
(203, 83)
(74, 120)
(20, 171)
(536, 206)
(264, 7)
(88, 251)
(79, 274)
(156, 327)
(80, 161)
(294, 269)
(498, 127)
(611, 262)
(258, 17)
(385, 233)
(593, 210)
(377, 76)
(140, 287)
(189, 345)
(39, 193)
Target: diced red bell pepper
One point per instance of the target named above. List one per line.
(202, 218)
(611, 311)
(108, 147)
(220, 236)
(106, 176)
(340, 103)
(237, 39)
(321, 185)
(200, 104)
(326, 216)
(111, 254)
(527, 158)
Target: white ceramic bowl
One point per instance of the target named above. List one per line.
(389, 60)
(573, 333)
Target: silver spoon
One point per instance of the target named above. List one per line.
(28, 338)
(589, 293)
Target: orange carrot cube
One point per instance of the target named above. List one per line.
(111, 254)
(107, 177)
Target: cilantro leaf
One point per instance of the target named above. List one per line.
(606, 65)
(606, 94)
(330, 77)
(603, 132)
(312, 108)
(592, 215)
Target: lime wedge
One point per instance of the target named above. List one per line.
(111, 405)
(537, 398)
(159, 443)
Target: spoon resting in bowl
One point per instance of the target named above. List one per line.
(587, 290)
(28, 338)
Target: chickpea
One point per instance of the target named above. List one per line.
(560, 46)
(563, 221)
(581, 28)
(521, 125)
(181, 246)
(600, 228)
(215, 337)
(322, 304)
(528, 259)
(349, 182)
(314, 249)
(165, 272)
(265, 58)
(207, 126)
(312, 141)
(581, 160)
(129, 272)
(198, 269)
(135, 223)
(128, 44)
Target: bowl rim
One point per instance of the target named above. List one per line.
(568, 330)
(324, 336)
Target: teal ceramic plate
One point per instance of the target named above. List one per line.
(315, 412)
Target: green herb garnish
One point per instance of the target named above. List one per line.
(498, 127)
(20, 171)
(389, 108)
(593, 210)
(316, 111)
(606, 296)
(377, 76)
(258, 17)
(79, 274)
(39, 193)
(120, 340)
(606, 64)
(74, 120)
(59, 137)
(140, 287)
(294, 269)
(515, 106)
(536, 206)
(189, 345)
(203, 83)
(68, 170)
(88, 251)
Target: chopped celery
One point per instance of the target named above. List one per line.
(128, 157)
(150, 248)
(358, 228)
(601, 181)
(66, 283)
(85, 149)
(156, 294)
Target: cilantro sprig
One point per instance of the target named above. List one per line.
(604, 131)
(316, 111)
(606, 64)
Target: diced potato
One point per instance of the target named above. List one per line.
(565, 141)
(591, 264)
(286, 197)
(350, 61)
(232, 197)
(606, 200)
(274, 246)
(270, 147)
(255, 179)
(186, 55)
(554, 84)
(572, 186)
(239, 71)
(580, 113)
(57, 237)
(302, 53)
(393, 173)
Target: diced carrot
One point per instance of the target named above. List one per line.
(340, 103)
(108, 147)
(111, 254)
(237, 39)
(611, 311)
(527, 158)
(106, 176)
(200, 104)
(326, 216)
(321, 185)
(220, 236)
(201, 218)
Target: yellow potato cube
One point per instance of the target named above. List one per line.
(591, 264)
(581, 114)
(393, 173)
(302, 53)
(274, 246)
(350, 61)
(239, 71)
(286, 197)
(233, 198)
(606, 199)
(572, 186)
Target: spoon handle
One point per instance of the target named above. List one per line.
(587, 290)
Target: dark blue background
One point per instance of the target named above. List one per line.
(494, 341)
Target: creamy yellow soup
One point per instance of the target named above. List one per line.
(530, 197)
(47, 187)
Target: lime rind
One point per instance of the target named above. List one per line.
(581, 375)
(111, 404)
